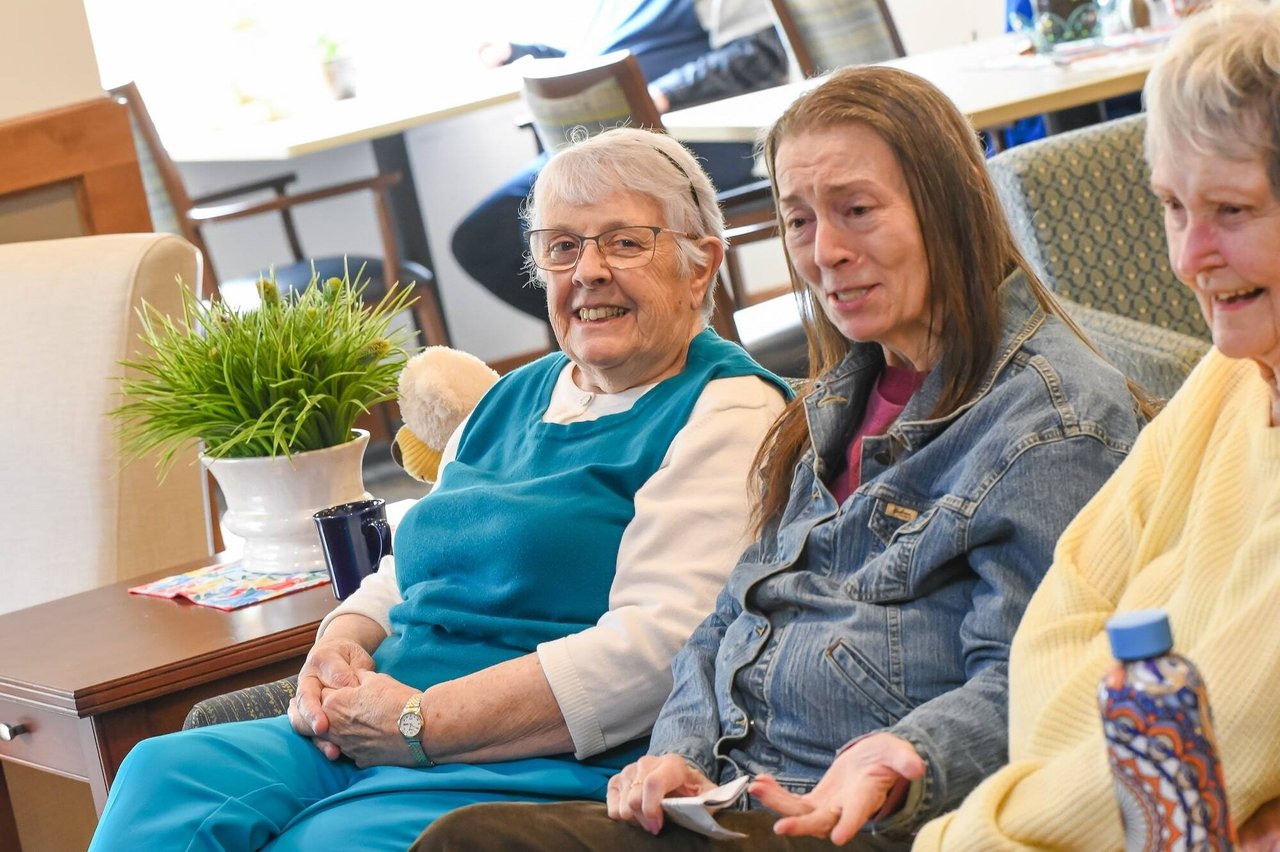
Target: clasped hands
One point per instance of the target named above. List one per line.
(856, 787)
(347, 708)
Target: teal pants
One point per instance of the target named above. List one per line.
(258, 785)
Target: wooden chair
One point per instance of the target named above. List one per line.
(597, 94)
(610, 91)
(820, 35)
(70, 172)
(823, 35)
(174, 209)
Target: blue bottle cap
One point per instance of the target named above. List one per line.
(1140, 635)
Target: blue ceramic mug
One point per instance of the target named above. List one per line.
(355, 537)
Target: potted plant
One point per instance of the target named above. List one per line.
(272, 394)
(339, 69)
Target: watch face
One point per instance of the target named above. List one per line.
(410, 725)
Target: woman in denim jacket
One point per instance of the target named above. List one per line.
(908, 505)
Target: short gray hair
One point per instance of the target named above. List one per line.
(1217, 86)
(625, 159)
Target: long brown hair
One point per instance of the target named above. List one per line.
(969, 246)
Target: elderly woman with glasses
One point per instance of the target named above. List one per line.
(855, 667)
(587, 513)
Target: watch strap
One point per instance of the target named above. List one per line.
(420, 757)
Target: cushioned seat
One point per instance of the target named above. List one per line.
(1158, 359)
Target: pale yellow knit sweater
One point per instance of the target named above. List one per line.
(1190, 523)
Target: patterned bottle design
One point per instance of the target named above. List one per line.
(1164, 763)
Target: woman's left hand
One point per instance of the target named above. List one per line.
(363, 720)
(853, 790)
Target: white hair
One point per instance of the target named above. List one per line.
(1217, 86)
(643, 162)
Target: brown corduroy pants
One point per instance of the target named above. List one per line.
(583, 826)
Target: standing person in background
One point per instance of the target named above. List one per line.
(691, 51)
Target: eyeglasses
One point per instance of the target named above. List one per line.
(623, 248)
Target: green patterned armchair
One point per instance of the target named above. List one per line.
(1083, 213)
(1157, 358)
(255, 702)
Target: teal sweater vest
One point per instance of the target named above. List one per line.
(518, 543)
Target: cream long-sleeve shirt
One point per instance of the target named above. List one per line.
(1190, 523)
(686, 536)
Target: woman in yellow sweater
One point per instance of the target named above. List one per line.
(1191, 521)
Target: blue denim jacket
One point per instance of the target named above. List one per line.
(894, 611)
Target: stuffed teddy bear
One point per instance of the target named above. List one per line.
(438, 388)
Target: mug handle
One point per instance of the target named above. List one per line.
(381, 546)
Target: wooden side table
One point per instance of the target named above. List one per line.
(84, 678)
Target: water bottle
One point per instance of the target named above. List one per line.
(1160, 745)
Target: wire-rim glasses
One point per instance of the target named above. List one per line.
(629, 247)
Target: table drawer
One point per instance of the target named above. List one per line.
(51, 740)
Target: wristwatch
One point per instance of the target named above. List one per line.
(410, 726)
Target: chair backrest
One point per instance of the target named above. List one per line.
(166, 193)
(71, 517)
(594, 93)
(68, 172)
(823, 35)
(1157, 358)
(1085, 217)
(597, 94)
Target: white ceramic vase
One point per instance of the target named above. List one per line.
(270, 500)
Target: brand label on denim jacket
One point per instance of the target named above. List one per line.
(901, 513)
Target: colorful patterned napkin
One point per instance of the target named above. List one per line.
(229, 586)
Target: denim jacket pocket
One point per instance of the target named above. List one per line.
(886, 576)
(892, 520)
(880, 697)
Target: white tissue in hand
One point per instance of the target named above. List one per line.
(696, 812)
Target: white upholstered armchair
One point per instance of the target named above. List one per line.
(71, 517)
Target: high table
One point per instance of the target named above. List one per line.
(381, 120)
(85, 677)
(985, 79)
